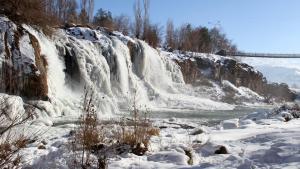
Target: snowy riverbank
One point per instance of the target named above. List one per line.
(258, 140)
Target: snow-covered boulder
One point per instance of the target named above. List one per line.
(286, 115)
(256, 116)
(230, 124)
(246, 123)
(199, 130)
(12, 109)
(292, 110)
(169, 157)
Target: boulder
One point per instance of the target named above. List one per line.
(230, 124)
(221, 150)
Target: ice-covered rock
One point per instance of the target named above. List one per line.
(23, 67)
(256, 116)
(246, 123)
(287, 116)
(230, 124)
(12, 109)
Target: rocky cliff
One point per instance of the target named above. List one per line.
(24, 68)
(197, 68)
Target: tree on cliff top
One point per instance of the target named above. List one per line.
(104, 18)
(32, 12)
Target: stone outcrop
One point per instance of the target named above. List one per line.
(23, 68)
(196, 70)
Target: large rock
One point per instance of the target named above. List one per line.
(12, 109)
(23, 68)
(230, 124)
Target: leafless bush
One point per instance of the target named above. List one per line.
(122, 24)
(137, 131)
(87, 136)
(91, 145)
(9, 151)
(32, 12)
(11, 143)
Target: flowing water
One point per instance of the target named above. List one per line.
(204, 117)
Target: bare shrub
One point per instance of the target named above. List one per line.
(32, 12)
(138, 24)
(92, 145)
(87, 136)
(170, 35)
(10, 142)
(137, 131)
(122, 24)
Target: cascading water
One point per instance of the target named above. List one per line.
(63, 100)
(118, 75)
(78, 57)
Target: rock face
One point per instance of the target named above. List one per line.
(197, 70)
(23, 68)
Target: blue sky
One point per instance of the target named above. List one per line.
(253, 25)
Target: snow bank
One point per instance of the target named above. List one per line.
(242, 92)
(263, 143)
(169, 157)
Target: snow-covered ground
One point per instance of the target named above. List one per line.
(257, 140)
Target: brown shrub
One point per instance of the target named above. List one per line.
(32, 12)
(88, 136)
(138, 131)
